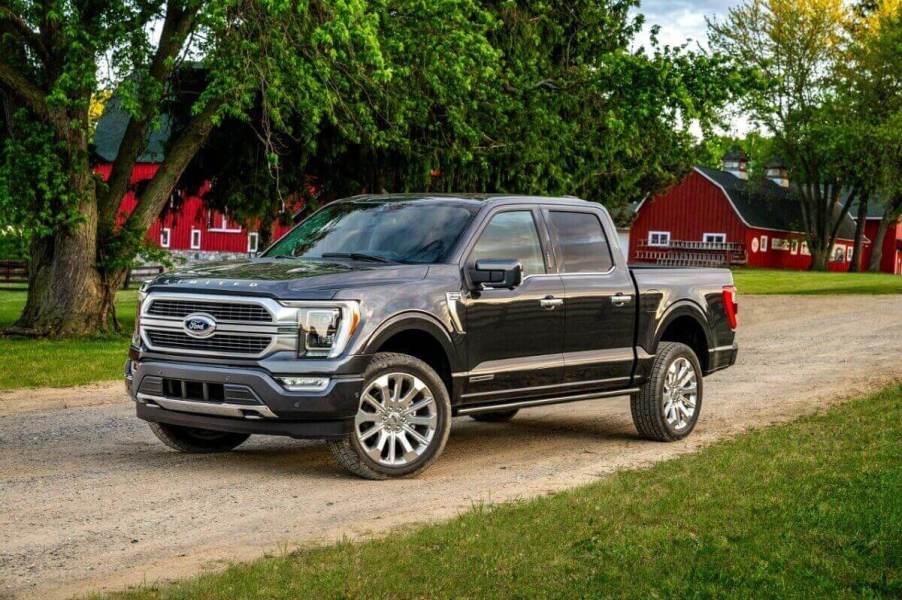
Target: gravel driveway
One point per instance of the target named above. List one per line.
(90, 500)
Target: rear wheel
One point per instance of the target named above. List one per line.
(666, 409)
(495, 417)
(196, 441)
(402, 422)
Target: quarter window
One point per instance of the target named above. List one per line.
(512, 235)
(582, 242)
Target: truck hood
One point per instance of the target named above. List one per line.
(287, 279)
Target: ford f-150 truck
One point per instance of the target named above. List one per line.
(379, 318)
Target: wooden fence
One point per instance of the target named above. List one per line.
(13, 271)
(16, 271)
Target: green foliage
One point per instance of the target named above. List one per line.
(35, 197)
(802, 510)
(534, 97)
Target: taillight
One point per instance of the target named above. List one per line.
(730, 304)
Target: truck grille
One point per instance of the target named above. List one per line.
(221, 311)
(230, 343)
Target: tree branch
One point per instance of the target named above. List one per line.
(23, 31)
(177, 25)
(180, 154)
(33, 96)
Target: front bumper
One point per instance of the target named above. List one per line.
(247, 399)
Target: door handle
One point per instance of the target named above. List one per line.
(620, 299)
(550, 302)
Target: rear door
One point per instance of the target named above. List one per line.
(514, 336)
(599, 300)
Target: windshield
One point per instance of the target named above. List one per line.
(405, 232)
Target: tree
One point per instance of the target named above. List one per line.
(794, 47)
(558, 104)
(295, 59)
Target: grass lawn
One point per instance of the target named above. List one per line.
(775, 281)
(809, 509)
(62, 363)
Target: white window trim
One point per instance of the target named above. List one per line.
(721, 235)
(763, 241)
(253, 235)
(167, 233)
(794, 247)
(659, 233)
(197, 245)
(225, 227)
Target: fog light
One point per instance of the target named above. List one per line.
(304, 384)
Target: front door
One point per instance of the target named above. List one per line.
(514, 336)
(600, 303)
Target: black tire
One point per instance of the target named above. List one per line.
(349, 451)
(647, 406)
(197, 441)
(496, 417)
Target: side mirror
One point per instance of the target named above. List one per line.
(496, 273)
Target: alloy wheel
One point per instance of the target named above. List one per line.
(397, 419)
(680, 393)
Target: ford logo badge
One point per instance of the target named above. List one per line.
(199, 325)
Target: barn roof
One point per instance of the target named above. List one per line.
(111, 129)
(763, 204)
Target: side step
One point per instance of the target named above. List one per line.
(471, 410)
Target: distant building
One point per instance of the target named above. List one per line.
(891, 256)
(189, 228)
(719, 217)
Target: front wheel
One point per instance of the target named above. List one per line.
(196, 441)
(402, 422)
(666, 409)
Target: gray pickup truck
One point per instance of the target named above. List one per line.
(379, 318)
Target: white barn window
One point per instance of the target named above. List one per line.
(195, 239)
(715, 238)
(253, 239)
(658, 238)
(164, 237)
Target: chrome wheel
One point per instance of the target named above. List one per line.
(397, 419)
(680, 393)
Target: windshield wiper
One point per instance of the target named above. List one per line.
(355, 256)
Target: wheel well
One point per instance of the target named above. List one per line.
(687, 330)
(424, 346)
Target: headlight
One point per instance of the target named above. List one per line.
(324, 329)
(142, 294)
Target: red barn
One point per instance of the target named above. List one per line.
(189, 228)
(891, 255)
(715, 217)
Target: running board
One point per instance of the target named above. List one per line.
(471, 410)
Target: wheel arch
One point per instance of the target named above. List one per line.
(420, 335)
(686, 322)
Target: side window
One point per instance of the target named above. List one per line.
(582, 242)
(512, 235)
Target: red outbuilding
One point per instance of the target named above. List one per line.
(891, 254)
(188, 227)
(717, 216)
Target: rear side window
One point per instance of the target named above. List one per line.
(582, 242)
(512, 235)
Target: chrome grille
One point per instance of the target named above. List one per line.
(232, 344)
(221, 311)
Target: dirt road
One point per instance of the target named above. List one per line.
(90, 500)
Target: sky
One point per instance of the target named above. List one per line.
(683, 21)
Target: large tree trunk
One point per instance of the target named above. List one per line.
(819, 258)
(67, 294)
(860, 221)
(877, 248)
